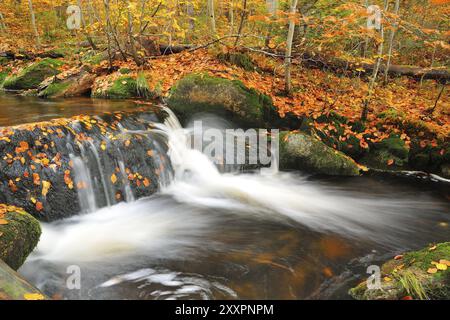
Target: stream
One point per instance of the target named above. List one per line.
(210, 234)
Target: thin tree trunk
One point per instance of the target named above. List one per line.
(241, 24)
(131, 39)
(212, 17)
(365, 110)
(231, 13)
(288, 58)
(83, 25)
(190, 13)
(33, 24)
(2, 23)
(391, 41)
(437, 99)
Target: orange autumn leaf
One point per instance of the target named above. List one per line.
(39, 206)
(390, 162)
(3, 222)
(36, 179)
(113, 178)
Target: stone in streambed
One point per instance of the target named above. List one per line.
(299, 151)
(19, 234)
(231, 99)
(31, 76)
(389, 153)
(423, 274)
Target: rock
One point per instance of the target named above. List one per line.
(31, 76)
(423, 274)
(303, 152)
(14, 287)
(389, 153)
(118, 86)
(19, 234)
(445, 170)
(201, 93)
(44, 166)
(241, 60)
(76, 84)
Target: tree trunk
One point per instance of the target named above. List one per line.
(33, 24)
(241, 24)
(365, 110)
(391, 42)
(134, 53)
(288, 58)
(83, 25)
(212, 17)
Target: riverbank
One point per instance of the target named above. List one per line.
(398, 134)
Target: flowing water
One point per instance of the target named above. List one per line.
(209, 234)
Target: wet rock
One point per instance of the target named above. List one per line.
(423, 274)
(76, 83)
(51, 168)
(14, 287)
(304, 152)
(31, 76)
(19, 234)
(201, 93)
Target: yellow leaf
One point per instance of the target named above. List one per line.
(441, 266)
(432, 248)
(387, 279)
(45, 186)
(33, 296)
(113, 178)
(3, 221)
(444, 261)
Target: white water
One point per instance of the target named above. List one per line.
(176, 221)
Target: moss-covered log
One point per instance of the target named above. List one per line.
(303, 152)
(77, 83)
(119, 86)
(14, 287)
(423, 274)
(19, 234)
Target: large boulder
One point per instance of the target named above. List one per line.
(19, 234)
(300, 151)
(73, 83)
(201, 93)
(14, 287)
(423, 274)
(53, 169)
(31, 76)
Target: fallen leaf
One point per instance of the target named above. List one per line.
(441, 266)
(39, 206)
(398, 257)
(3, 222)
(432, 270)
(432, 248)
(33, 296)
(390, 162)
(113, 178)
(45, 186)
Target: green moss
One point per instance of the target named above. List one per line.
(31, 76)
(3, 76)
(3, 61)
(241, 60)
(54, 89)
(19, 237)
(197, 93)
(409, 276)
(94, 58)
(124, 70)
(121, 88)
(381, 154)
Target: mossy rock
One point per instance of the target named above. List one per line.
(4, 61)
(201, 93)
(123, 87)
(31, 76)
(19, 234)
(389, 153)
(54, 90)
(241, 60)
(303, 152)
(423, 274)
(429, 158)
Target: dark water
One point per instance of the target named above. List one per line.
(233, 236)
(15, 109)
